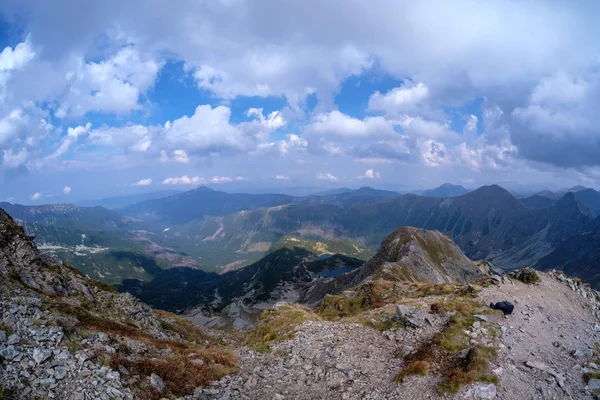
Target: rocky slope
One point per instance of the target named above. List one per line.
(428, 342)
(65, 336)
(407, 255)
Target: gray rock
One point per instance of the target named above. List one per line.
(411, 322)
(402, 311)
(60, 373)
(481, 391)
(583, 352)
(496, 279)
(481, 317)
(157, 383)
(198, 362)
(47, 381)
(543, 367)
(476, 324)
(13, 339)
(593, 385)
(9, 352)
(101, 337)
(2, 336)
(40, 354)
(406, 350)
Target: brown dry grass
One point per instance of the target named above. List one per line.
(414, 368)
(442, 353)
(180, 375)
(276, 325)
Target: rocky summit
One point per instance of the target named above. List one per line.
(414, 322)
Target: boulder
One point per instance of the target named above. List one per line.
(40, 354)
(157, 383)
(480, 391)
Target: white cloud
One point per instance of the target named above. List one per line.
(184, 180)
(404, 99)
(144, 182)
(113, 85)
(36, 196)
(282, 178)
(67, 190)
(221, 179)
(434, 154)
(340, 125)
(181, 156)
(370, 174)
(12, 159)
(327, 177)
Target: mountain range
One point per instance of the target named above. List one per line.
(218, 232)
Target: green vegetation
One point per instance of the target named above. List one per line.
(526, 275)
(591, 375)
(475, 368)
(337, 307)
(6, 328)
(276, 325)
(442, 352)
(332, 246)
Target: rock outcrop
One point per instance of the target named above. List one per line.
(65, 336)
(407, 255)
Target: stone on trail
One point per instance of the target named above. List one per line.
(481, 391)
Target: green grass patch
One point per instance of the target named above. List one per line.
(526, 275)
(336, 307)
(276, 325)
(591, 375)
(475, 368)
(6, 328)
(383, 325)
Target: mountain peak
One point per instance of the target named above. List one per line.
(420, 255)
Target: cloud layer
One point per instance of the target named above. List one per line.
(297, 92)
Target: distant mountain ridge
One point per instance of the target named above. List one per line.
(445, 190)
(123, 201)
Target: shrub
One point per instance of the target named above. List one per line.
(526, 275)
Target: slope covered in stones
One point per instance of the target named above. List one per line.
(407, 255)
(427, 341)
(65, 336)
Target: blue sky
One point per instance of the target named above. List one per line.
(100, 100)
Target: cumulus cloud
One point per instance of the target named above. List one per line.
(67, 190)
(341, 125)
(282, 178)
(404, 99)
(370, 174)
(327, 177)
(36, 196)
(536, 78)
(183, 180)
(221, 179)
(144, 182)
(111, 85)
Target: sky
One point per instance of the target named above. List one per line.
(107, 98)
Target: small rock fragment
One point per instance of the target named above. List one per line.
(157, 383)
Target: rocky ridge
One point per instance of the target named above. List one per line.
(545, 350)
(65, 336)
